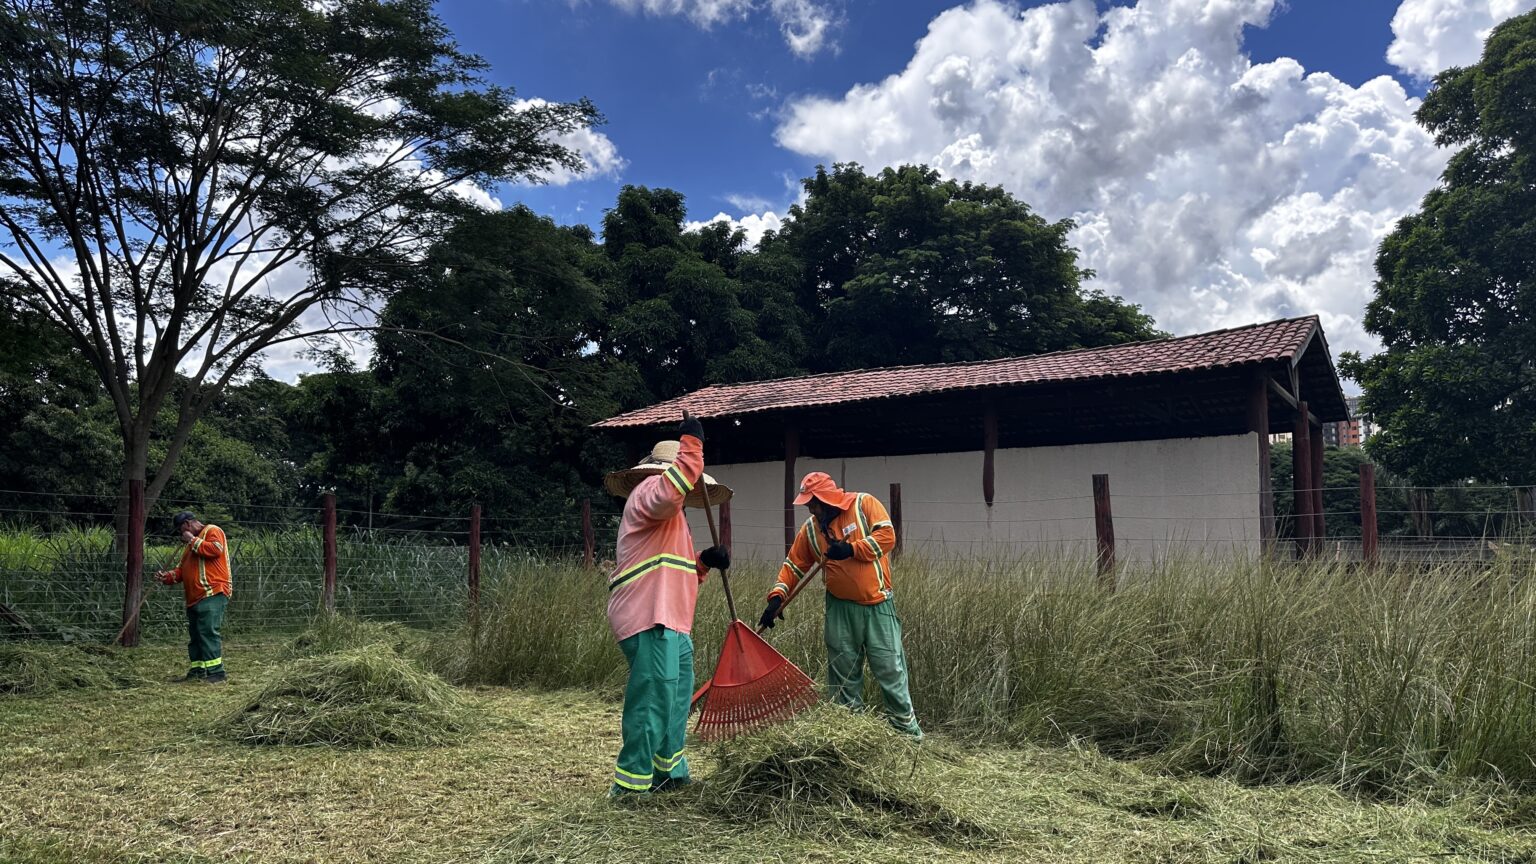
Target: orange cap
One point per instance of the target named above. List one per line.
(818, 484)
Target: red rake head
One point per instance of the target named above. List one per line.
(754, 686)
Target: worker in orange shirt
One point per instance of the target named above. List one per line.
(852, 535)
(205, 580)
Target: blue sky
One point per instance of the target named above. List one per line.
(691, 109)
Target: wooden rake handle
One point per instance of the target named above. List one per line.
(714, 535)
(799, 586)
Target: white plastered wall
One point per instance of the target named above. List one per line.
(1170, 497)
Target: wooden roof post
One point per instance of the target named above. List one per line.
(1258, 422)
(791, 453)
(1319, 528)
(1301, 479)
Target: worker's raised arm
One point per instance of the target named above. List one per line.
(658, 499)
(881, 537)
(210, 543)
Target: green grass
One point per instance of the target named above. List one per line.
(134, 775)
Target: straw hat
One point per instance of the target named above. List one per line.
(663, 455)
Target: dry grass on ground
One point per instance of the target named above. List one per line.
(102, 775)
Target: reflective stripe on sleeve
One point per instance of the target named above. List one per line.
(678, 480)
(651, 565)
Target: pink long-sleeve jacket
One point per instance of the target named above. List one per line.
(656, 579)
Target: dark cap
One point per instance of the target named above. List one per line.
(180, 519)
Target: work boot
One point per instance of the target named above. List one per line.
(216, 678)
(671, 784)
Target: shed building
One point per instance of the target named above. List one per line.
(998, 457)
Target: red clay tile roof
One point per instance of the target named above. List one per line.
(1258, 343)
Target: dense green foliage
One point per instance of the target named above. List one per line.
(517, 333)
(1455, 306)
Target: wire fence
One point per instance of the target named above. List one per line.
(63, 572)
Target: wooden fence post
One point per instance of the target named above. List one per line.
(588, 539)
(474, 562)
(328, 533)
(1369, 539)
(895, 511)
(1104, 527)
(1301, 480)
(133, 585)
(791, 454)
(725, 524)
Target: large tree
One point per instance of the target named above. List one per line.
(1454, 391)
(184, 185)
(488, 375)
(907, 267)
(677, 312)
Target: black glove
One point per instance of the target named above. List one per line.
(771, 613)
(840, 550)
(690, 426)
(716, 558)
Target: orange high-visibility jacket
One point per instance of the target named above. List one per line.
(204, 568)
(866, 577)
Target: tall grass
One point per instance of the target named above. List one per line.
(70, 584)
(1377, 680)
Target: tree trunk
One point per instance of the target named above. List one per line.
(135, 467)
(1419, 503)
(130, 535)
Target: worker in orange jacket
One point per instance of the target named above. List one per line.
(205, 580)
(853, 536)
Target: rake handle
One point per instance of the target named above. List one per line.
(799, 586)
(714, 535)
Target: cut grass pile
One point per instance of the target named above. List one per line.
(831, 769)
(39, 668)
(362, 697)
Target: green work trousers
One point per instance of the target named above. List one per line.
(856, 632)
(656, 703)
(205, 646)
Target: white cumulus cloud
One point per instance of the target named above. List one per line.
(755, 224)
(1212, 190)
(806, 25)
(1431, 35)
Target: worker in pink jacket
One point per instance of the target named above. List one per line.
(651, 597)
